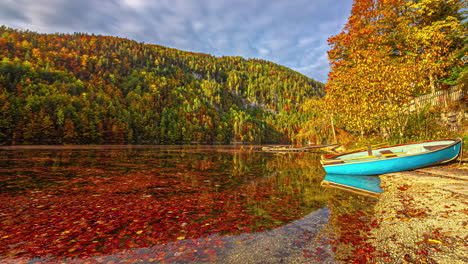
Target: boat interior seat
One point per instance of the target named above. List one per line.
(386, 152)
(435, 147)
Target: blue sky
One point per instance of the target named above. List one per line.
(292, 33)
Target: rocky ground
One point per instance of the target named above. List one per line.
(422, 216)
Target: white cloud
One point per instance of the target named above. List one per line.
(136, 4)
(306, 41)
(198, 25)
(319, 67)
(263, 52)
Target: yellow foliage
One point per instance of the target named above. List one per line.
(387, 53)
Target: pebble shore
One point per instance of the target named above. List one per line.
(422, 216)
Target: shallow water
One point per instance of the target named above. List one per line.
(177, 204)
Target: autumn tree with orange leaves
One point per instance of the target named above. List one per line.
(389, 51)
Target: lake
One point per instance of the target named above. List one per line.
(172, 204)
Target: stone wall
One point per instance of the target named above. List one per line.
(455, 119)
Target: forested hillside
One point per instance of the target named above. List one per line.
(59, 88)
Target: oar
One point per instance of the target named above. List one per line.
(366, 157)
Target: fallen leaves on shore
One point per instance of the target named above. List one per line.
(404, 187)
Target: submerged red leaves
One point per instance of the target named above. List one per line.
(353, 224)
(79, 211)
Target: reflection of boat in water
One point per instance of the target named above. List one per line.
(394, 158)
(363, 185)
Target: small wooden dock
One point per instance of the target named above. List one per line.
(297, 149)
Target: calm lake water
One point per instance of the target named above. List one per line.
(171, 204)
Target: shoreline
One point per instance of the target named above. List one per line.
(422, 216)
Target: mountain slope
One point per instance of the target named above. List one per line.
(59, 88)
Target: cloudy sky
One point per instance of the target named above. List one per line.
(292, 33)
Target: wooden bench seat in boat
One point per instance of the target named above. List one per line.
(386, 152)
(435, 147)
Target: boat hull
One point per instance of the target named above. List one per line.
(362, 185)
(398, 163)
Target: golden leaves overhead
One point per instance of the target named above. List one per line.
(389, 51)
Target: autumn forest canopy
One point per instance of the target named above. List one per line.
(58, 88)
(81, 88)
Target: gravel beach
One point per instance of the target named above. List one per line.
(422, 216)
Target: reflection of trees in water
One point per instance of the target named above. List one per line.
(101, 200)
(293, 184)
(300, 174)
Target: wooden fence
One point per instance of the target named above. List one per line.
(442, 97)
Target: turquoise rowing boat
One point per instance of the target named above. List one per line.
(393, 158)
